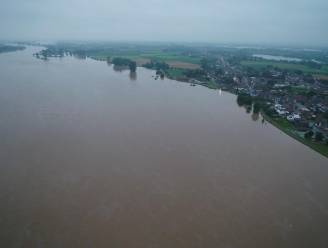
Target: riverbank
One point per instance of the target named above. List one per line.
(277, 122)
(320, 148)
(10, 48)
(178, 74)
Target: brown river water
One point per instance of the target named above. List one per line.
(93, 157)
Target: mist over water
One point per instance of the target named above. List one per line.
(95, 157)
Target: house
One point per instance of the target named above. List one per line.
(293, 117)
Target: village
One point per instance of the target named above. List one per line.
(299, 98)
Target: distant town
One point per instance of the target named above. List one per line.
(287, 86)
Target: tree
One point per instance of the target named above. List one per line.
(123, 62)
(133, 66)
(308, 135)
(157, 65)
(256, 107)
(244, 99)
(318, 136)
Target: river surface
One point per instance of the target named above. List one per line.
(92, 157)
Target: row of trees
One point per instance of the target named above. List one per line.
(157, 65)
(125, 62)
(160, 67)
(318, 136)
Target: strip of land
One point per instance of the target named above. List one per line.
(292, 95)
(10, 48)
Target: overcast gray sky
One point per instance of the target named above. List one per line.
(239, 21)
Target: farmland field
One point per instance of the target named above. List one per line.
(175, 60)
(284, 65)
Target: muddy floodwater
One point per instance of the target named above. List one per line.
(94, 157)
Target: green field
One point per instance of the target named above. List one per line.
(171, 57)
(283, 65)
(153, 55)
(175, 73)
